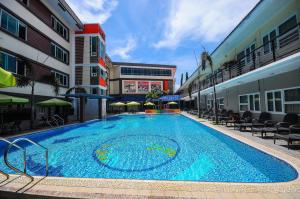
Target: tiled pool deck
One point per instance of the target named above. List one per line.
(119, 188)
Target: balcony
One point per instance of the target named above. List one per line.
(280, 47)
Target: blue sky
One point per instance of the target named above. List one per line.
(162, 31)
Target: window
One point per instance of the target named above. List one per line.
(10, 63)
(94, 71)
(59, 53)
(283, 101)
(292, 100)
(249, 102)
(210, 103)
(101, 49)
(59, 28)
(288, 25)
(94, 91)
(220, 102)
(25, 2)
(61, 78)
(266, 44)
(267, 41)
(146, 71)
(241, 56)
(93, 45)
(13, 25)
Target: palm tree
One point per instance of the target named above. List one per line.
(181, 80)
(206, 58)
(30, 80)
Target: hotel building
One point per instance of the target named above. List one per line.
(257, 66)
(48, 35)
(132, 81)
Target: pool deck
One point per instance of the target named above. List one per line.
(123, 188)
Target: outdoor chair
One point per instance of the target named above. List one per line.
(233, 118)
(225, 116)
(246, 117)
(293, 135)
(264, 116)
(269, 127)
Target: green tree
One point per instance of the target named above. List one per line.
(30, 80)
(206, 59)
(186, 76)
(181, 80)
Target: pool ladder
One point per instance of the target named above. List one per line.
(13, 144)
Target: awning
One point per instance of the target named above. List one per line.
(10, 100)
(54, 102)
(170, 98)
(6, 79)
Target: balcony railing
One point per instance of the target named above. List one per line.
(276, 49)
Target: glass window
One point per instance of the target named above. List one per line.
(4, 17)
(251, 102)
(11, 64)
(292, 95)
(248, 55)
(59, 53)
(273, 38)
(61, 29)
(288, 25)
(93, 47)
(145, 71)
(277, 99)
(244, 105)
(270, 101)
(22, 31)
(61, 78)
(256, 102)
(266, 44)
(21, 68)
(12, 25)
(244, 99)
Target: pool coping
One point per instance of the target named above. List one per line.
(89, 187)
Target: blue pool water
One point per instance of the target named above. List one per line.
(155, 147)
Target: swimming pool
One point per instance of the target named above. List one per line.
(150, 147)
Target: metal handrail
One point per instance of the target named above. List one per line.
(32, 142)
(60, 118)
(6, 160)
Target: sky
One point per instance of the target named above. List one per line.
(163, 31)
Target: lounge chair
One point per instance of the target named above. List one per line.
(223, 118)
(264, 116)
(293, 135)
(246, 117)
(232, 119)
(263, 130)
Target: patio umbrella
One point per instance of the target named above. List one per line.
(172, 103)
(6, 79)
(54, 102)
(149, 104)
(10, 100)
(117, 104)
(133, 104)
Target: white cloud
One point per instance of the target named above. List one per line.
(93, 11)
(124, 50)
(204, 20)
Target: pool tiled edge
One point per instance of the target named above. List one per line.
(88, 187)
